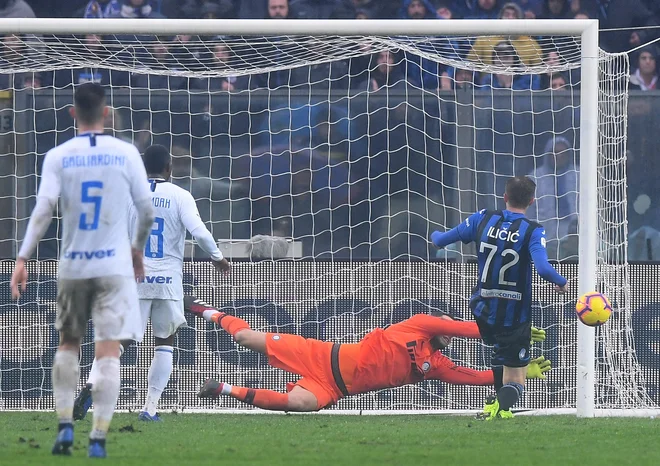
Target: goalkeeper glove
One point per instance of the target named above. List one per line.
(537, 335)
(538, 367)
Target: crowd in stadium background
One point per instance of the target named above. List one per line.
(317, 128)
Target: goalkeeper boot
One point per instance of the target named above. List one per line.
(64, 440)
(145, 416)
(210, 389)
(96, 448)
(196, 307)
(501, 414)
(82, 403)
(491, 407)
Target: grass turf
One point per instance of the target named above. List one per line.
(198, 439)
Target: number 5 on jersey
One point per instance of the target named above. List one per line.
(87, 197)
(155, 239)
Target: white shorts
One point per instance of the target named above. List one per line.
(166, 317)
(109, 301)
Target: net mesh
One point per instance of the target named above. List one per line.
(357, 148)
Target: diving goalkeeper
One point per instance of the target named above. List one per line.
(401, 354)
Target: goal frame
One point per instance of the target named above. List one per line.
(587, 29)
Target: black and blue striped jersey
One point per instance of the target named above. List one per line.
(507, 244)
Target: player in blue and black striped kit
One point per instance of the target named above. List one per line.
(507, 244)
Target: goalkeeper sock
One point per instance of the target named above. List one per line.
(509, 394)
(105, 393)
(93, 373)
(264, 399)
(232, 325)
(66, 372)
(159, 374)
(498, 374)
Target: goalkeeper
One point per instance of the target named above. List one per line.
(401, 354)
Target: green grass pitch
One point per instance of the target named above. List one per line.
(223, 439)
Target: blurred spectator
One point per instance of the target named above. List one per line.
(160, 59)
(443, 9)
(527, 49)
(421, 72)
(102, 9)
(182, 9)
(15, 9)
(136, 9)
(646, 74)
(260, 9)
(221, 61)
(365, 9)
(276, 54)
(417, 9)
(113, 124)
(484, 9)
(556, 9)
(96, 52)
(217, 9)
(462, 78)
(557, 180)
(279, 9)
(644, 244)
(504, 56)
(385, 74)
(581, 15)
(558, 82)
(15, 54)
(622, 15)
(253, 9)
(323, 9)
(531, 8)
(362, 14)
(567, 248)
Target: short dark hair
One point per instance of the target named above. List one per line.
(89, 100)
(520, 191)
(156, 159)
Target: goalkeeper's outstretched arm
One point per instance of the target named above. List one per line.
(445, 370)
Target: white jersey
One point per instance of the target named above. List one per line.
(94, 175)
(175, 212)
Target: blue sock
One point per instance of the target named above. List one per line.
(509, 395)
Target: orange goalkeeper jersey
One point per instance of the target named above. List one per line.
(402, 354)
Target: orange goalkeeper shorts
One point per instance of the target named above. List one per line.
(309, 358)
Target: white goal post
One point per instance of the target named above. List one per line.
(387, 31)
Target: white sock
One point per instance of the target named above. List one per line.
(105, 392)
(66, 372)
(226, 389)
(94, 373)
(159, 374)
(209, 313)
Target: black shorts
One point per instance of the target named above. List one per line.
(510, 344)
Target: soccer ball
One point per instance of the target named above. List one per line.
(593, 309)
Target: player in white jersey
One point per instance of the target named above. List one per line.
(94, 175)
(161, 291)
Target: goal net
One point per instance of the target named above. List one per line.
(355, 146)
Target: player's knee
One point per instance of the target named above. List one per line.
(169, 341)
(69, 342)
(302, 404)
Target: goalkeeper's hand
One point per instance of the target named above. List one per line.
(537, 335)
(538, 367)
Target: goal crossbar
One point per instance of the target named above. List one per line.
(259, 27)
